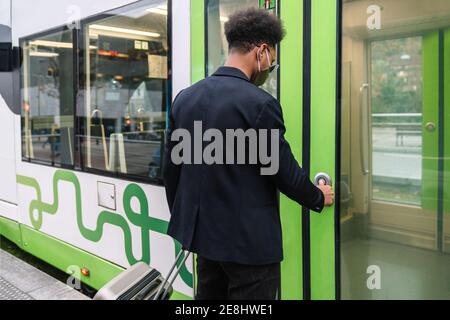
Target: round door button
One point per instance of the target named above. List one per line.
(431, 127)
(323, 177)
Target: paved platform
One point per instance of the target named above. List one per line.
(21, 281)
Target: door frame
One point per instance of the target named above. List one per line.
(290, 94)
(325, 151)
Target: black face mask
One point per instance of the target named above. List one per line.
(263, 75)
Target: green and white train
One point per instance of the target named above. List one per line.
(365, 90)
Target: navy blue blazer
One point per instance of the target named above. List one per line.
(231, 213)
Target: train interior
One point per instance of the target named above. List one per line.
(393, 219)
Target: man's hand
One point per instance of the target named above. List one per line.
(327, 192)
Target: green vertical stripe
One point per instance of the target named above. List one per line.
(447, 124)
(323, 141)
(430, 114)
(197, 40)
(291, 100)
(198, 43)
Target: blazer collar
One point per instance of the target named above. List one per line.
(230, 72)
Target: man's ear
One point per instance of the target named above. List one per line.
(264, 47)
(261, 50)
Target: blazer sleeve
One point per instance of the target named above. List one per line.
(171, 171)
(291, 179)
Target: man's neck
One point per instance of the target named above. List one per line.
(239, 61)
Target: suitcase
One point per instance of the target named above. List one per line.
(141, 282)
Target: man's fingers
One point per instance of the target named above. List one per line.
(328, 192)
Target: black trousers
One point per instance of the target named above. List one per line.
(231, 281)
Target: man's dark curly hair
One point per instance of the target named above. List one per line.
(252, 27)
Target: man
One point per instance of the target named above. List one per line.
(228, 214)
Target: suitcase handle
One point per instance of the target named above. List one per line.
(160, 295)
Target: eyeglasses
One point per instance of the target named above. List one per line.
(274, 67)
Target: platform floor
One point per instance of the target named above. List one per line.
(21, 281)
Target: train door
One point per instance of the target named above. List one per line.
(306, 86)
(394, 146)
(209, 51)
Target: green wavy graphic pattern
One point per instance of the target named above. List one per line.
(140, 219)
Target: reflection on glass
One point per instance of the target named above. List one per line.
(396, 91)
(394, 231)
(127, 91)
(218, 12)
(47, 99)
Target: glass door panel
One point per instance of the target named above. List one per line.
(394, 230)
(396, 99)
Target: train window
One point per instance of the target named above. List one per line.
(218, 12)
(48, 99)
(127, 90)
